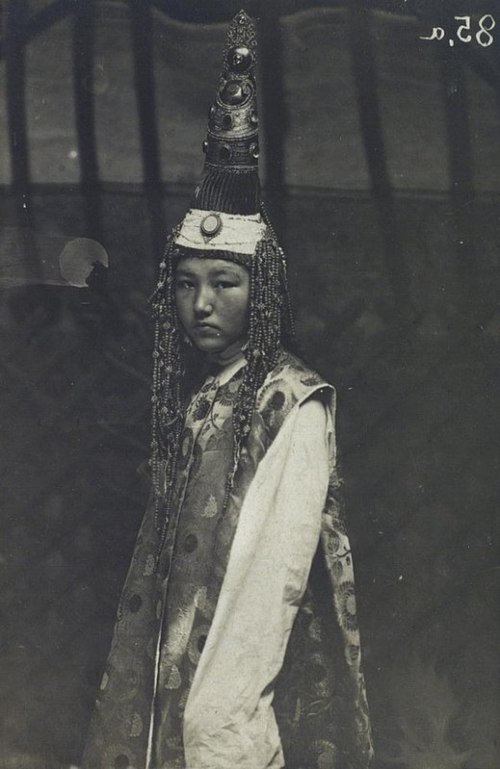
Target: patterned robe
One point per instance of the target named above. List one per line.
(168, 604)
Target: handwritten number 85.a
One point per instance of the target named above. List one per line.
(483, 36)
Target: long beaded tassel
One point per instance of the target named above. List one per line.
(166, 421)
(270, 321)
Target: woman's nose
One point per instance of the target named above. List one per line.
(204, 302)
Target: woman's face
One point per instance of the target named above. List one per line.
(212, 298)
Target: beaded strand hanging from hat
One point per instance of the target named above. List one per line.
(228, 221)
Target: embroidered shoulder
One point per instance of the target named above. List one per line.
(290, 382)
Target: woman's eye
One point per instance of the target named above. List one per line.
(184, 284)
(225, 284)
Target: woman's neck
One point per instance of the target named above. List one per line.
(227, 357)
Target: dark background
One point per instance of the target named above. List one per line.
(382, 172)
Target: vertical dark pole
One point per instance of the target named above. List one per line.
(460, 168)
(16, 106)
(16, 16)
(274, 123)
(365, 77)
(142, 37)
(83, 64)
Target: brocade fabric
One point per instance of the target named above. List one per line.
(168, 605)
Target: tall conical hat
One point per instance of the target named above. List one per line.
(225, 213)
(228, 221)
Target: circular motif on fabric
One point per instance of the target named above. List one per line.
(347, 597)
(326, 754)
(264, 392)
(190, 543)
(119, 756)
(121, 762)
(211, 225)
(239, 58)
(135, 603)
(277, 401)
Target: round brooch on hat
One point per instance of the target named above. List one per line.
(211, 225)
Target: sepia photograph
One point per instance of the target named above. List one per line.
(249, 384)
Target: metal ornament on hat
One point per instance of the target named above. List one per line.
(233, 139)
(231, 148)
(210, 226)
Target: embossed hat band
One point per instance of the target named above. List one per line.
(219, 231)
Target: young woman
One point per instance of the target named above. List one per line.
(236, 643)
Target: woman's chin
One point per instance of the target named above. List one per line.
(209, 345)
(219, 352)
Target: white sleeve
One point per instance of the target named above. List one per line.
(229, 719)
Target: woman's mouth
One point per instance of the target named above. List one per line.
(206, 328)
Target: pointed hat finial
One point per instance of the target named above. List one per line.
(230, 182)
